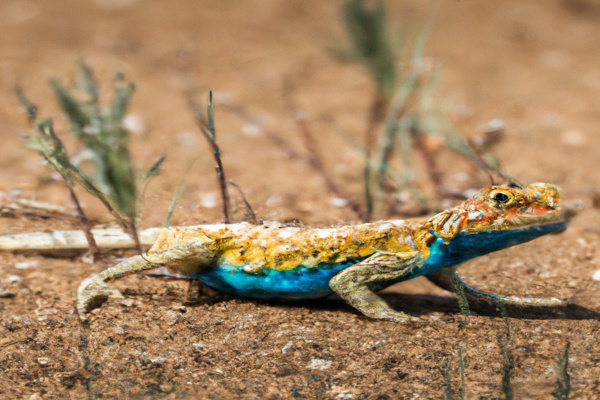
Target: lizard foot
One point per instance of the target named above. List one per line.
(92, 293)
(402, 318)
(390, 315)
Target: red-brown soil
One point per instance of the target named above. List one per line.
(532, 63)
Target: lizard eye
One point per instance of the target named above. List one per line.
(502, 197)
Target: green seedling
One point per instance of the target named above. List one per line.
(100, 132)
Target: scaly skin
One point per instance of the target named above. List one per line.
(277, 261)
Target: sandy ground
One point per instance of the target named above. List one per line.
(532, 63)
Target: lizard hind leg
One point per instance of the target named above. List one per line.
(94, 291)
(448, 279)
(354, 284)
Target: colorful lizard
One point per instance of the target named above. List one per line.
(272, 260)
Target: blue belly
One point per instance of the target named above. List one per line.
(297, 283)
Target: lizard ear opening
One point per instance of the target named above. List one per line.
(430, 238)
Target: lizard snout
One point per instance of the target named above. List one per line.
(543, 195)
(547, 196)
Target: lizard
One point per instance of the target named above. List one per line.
(272, 260)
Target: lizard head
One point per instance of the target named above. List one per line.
(497, 217)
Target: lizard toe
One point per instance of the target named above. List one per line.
(398, 317)
(92, 293)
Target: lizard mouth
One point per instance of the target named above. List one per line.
(554, 222)
(558, 218)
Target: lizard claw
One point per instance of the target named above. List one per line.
(92, 293)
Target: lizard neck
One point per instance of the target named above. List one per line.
(478, 227)
(463, 247)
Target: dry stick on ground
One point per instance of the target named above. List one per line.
(34, 209)
(402, 102)
(370, 45)
(46, 129)
(71, 174)
(250, 214)
(99, 130)
(505, 348)
(207, 126)
(563, 379)
(447, 375)
(377, 113)
(468, 150)
(62, 242)
(282, 143)
(433, 170)
(275, 137)
(87, 229)
(314, 158)
(476, 158)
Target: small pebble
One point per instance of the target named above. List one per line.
(338, 202)
(574, 138)
(319, 364)
(133, 123)
(497, 124)
(404, 196)
(251, 130)
(208, 200)
(26, 264)
(43, 361)
(187, 138)
(596, 275)
(286, 348)
(127, 302)
(274, 201)
(87, 259)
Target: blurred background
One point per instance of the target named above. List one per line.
(530, 66)
(325, 112)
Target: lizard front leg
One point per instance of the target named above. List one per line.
(356, 284)
(93, 291)
(446, 277)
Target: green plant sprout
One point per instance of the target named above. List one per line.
(505, 346)
(207, 126)
(563, 379)
(449, 393)
(403, 110)
(100, 131)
